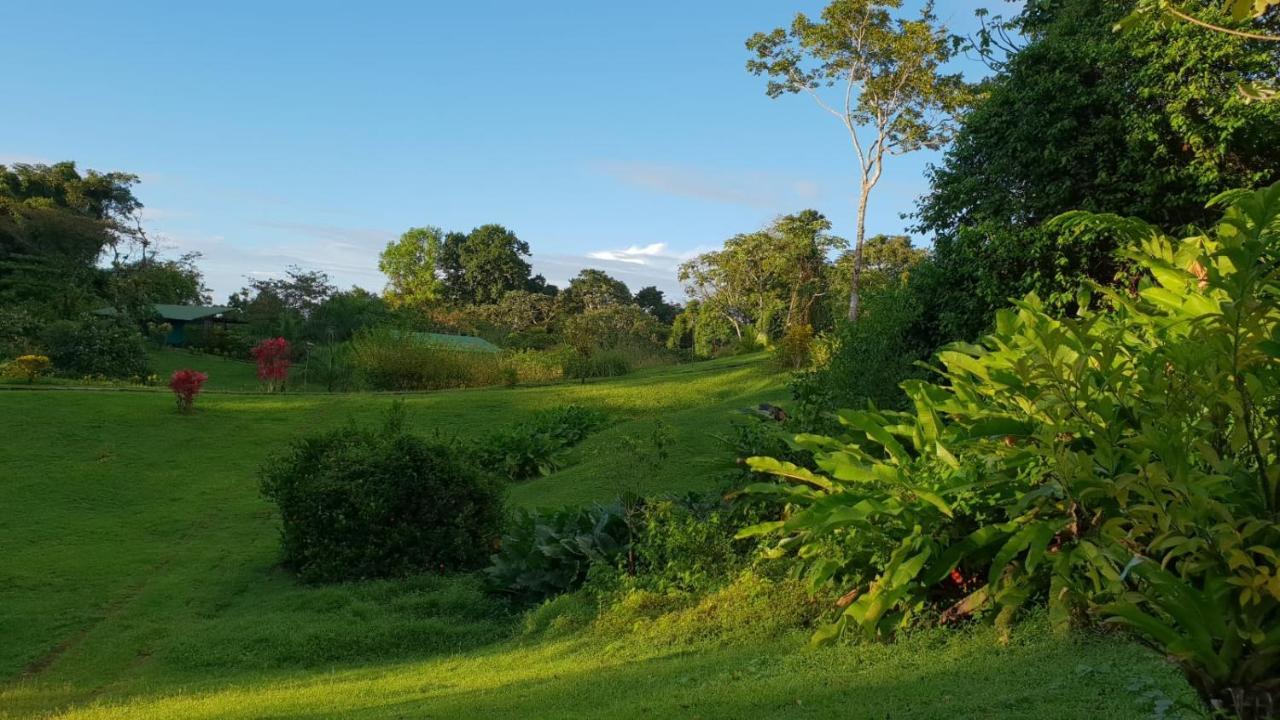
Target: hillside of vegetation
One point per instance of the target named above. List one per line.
(142, 580)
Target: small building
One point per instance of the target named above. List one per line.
(179, 316)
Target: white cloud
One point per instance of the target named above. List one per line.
(638, 255)
(747, 187)
(637, 266)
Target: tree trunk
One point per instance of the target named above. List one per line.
(856, 282)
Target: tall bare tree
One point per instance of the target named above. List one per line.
(880, 75)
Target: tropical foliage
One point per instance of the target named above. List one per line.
(1123, 461)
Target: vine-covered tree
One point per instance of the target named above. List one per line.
(1143, 123)
(55, 225)
(1237, 18)
(879, 75)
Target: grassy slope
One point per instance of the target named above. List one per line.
(140, 568)
(224, 374)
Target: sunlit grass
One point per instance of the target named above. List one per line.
(140, 580)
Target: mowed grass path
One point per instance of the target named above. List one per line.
(139, 579)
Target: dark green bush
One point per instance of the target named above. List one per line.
(93, 346)
(871, 359)
(233, 342)
(19, 329)
(357, 503)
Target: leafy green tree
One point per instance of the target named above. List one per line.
(55, 224)
(338, 317)
(278, 307)
(1079, 116)
(411, 265)
(135, 286)
(890, 93)
(732, 282)
(481, 266)
(1240, 13)
(703, 330)
(521, 311)
(803, 242)
(766, 279)
(888, 261)
(593, 289)
(538, 284)
(651, 299)
(612, 327)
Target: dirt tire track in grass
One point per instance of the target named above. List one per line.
(111, 610)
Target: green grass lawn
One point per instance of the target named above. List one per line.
(140, 579)
(224, 373)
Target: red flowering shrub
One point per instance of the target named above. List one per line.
(186, 384)
(272, 356)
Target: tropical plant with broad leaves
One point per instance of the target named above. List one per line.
(1121, 462)
(545, 554)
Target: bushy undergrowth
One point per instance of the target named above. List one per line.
(388, 359)
(677, 546)
(795, 349)
(537, 446)
(541, 365)
(596, 364)
(97, 347)
(546, 554)
(868, 361)
(1122, 463)
(356, 503)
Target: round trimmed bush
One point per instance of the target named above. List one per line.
(358, 504)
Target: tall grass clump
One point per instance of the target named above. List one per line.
(389, 359)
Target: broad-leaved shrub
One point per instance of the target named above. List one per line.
(1123, 463)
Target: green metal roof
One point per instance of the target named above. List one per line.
(457, 342)
(185, 313)
(189, 312)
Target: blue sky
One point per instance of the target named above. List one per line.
(625, 136)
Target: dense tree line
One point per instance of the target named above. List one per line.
(1074, 115)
